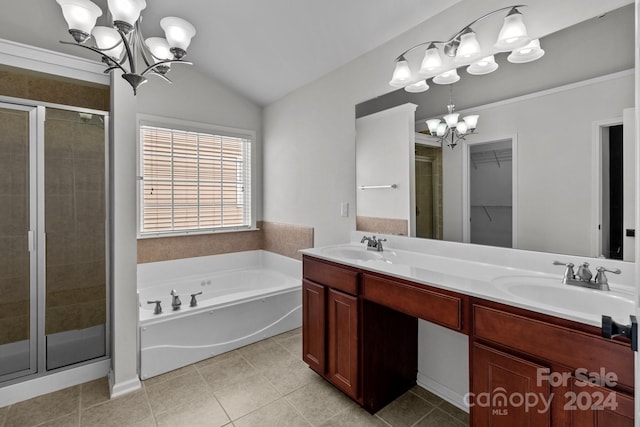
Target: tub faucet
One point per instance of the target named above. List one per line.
(175, 301)
(194, 301)
(158, 308)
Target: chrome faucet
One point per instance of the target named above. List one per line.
(373, 244)
(583, 276)
(175, 300)
(158, 308)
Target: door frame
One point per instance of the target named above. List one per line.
(596, 181)
(466, 204)
(33, 117)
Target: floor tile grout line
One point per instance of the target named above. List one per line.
(296, 409)
(146, 396)
(80, 405)
(433, 408)
(213, 394)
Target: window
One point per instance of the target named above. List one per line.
(193, 181)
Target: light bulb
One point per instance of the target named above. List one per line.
(401, 74)
(108, 39)
(461, 127)
(127, 11)
(433, 125)
(528, 53)
(471, 121)
(81, 17)
(483, 66)
(159, 48)
(432, 60)
(451, 119)
(442, 129)
(513, 33)
(178, 33)
(417, 87)
(448, 77)
(469, 48)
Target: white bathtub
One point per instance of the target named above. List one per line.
(246, 297)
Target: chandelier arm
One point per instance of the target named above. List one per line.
(168, 61)
(132, 63)
(108, 59)
(144, 50)
(162, 76)
(459, 33)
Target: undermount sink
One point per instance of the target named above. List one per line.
(352, 253)
(551, 292)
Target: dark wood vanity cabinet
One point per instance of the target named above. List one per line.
(360, 332)
(313, 325)
(531, 369)
(366, 350)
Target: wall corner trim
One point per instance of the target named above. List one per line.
(123, 387)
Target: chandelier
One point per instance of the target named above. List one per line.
(464, 48)
(123, 42)
(450, 131)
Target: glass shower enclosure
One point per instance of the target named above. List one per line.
(53, 238)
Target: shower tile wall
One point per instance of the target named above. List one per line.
(74, 221)
(30, 85)
(14, 212)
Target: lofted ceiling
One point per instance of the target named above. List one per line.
(262, 49)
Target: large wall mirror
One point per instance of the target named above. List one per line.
(551, 166)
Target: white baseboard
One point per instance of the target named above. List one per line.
(123, 387)
(441, 391)
(49, 383)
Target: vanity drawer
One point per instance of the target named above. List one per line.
(330, 275)
(548, 341)
(420, 301)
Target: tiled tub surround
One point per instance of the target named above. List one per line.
(478, 271)
(283, 239)
(246, 297)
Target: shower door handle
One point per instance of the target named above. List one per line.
(30, 241)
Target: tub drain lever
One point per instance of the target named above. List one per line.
(158, 307)
(194, 302)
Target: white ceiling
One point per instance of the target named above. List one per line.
(262, 49)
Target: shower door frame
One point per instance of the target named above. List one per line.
(33, 279)
(37, 236)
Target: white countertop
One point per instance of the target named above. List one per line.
(491, 281)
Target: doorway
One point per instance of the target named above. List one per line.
(428, 188)
(489, 194)
(612, 192)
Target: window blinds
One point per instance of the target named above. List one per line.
(194, 181)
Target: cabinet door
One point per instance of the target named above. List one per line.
(342, 341)
(313, 321)
(505, 391)
(595, 406)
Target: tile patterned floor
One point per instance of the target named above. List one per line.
(264, 384)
